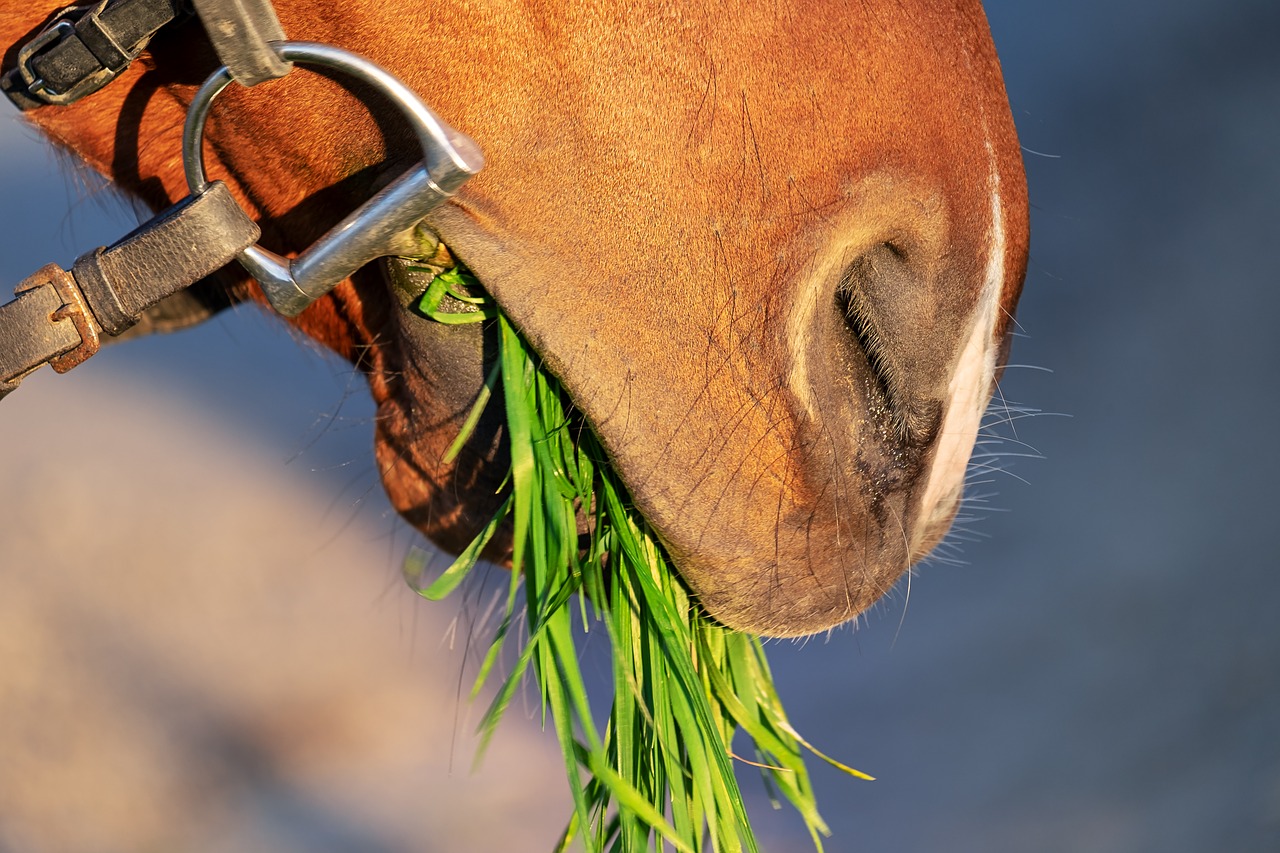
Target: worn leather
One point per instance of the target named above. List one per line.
(28, 337)
(122, 283)
(242, 32)
(171, 252)
(99, 47)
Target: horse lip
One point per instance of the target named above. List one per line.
(429, 379)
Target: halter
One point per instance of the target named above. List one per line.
(59, 317)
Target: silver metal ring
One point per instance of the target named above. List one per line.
(434, 136)
(379, 227)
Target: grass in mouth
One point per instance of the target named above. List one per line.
(661, 772)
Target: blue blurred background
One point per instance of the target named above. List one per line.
(1101, 672)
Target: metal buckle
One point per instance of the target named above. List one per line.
(51, 35)
(64, 27)
(74, 308)
(384, 225)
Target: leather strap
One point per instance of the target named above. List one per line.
(28, 335)
(179, 247)
(84, 48)
(57, 316)
(242, 32)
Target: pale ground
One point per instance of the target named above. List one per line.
(197, 652)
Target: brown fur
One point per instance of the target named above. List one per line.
(665, 186)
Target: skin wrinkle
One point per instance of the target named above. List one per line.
(736, 471)
(731, 399)
(835, 485)
(754, 399)
(749, 131)
(839, 487)
(693, 405)
(745, 409)
(777, 523)
(710, 92)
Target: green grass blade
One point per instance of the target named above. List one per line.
(473, 417)
(461, 567)
(855, 773)
(682, 685)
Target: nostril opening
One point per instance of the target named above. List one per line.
(871, 296)
(850, 302)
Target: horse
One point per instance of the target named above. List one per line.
(772, 253)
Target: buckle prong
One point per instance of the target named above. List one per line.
(74, 308)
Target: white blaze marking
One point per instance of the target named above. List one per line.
(971, 383)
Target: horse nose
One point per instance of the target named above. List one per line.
(882, 307)
(881, 323)
(891, 326)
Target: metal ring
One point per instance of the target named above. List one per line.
(433, 135)
(384, 224)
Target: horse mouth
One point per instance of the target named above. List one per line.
(432, 375)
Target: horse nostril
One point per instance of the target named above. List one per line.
(851, 300)
(883, 299)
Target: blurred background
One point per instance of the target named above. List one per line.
(205, 643)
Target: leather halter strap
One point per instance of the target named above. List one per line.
(141, 281)
(59, 315)
(83, 48)
(242, 32)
